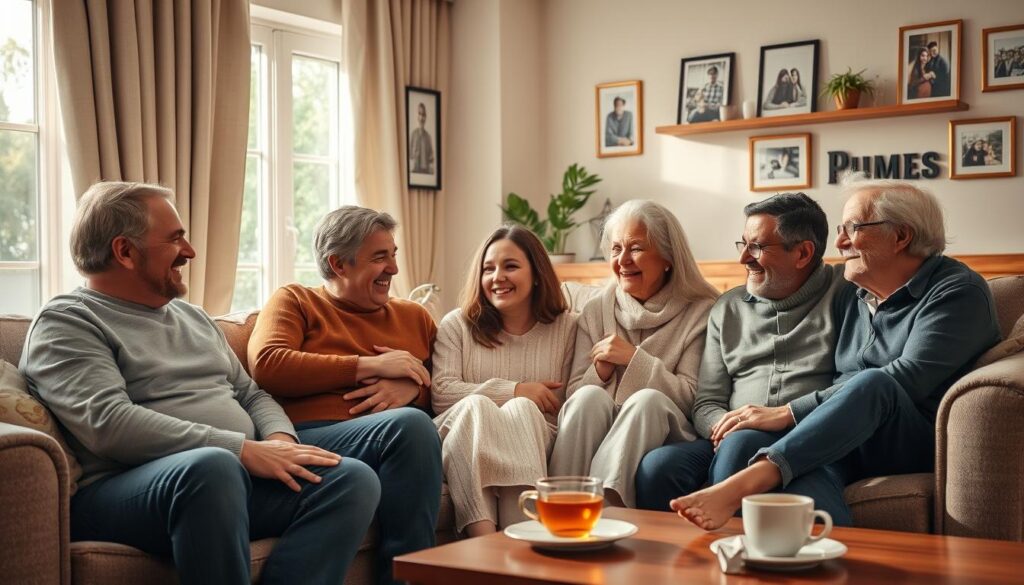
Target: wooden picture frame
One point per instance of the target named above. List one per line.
(705, 85)
(620, 132)
(780, 162)
(423, 138)
(983, 148)
(998, 71)
(778, 94)
(930, 56)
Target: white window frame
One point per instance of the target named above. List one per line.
(280, 35)
(52, 183)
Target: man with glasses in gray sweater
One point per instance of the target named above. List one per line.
(182, 454)
(768, 343)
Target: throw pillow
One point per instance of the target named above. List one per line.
(18, 407)
(1012, 344)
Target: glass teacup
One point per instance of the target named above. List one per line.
(568, 506)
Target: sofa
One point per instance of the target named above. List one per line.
(977, 489)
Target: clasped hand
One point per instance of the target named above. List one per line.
(610, 352)
(541, 393)
(762, 418)
(393, 363)
(284, 459)
(382, 394)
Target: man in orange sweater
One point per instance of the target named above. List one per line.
(347, 359)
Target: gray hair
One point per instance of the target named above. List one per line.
(798, 218)
(666, 234)
(108, 210)
(341, 232)
(904, 204)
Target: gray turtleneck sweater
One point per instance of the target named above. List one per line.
(767, 352)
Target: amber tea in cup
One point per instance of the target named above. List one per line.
(567, 506)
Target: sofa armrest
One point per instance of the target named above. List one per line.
(34, 508)
(979, 467)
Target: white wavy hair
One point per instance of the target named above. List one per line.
(666, 234)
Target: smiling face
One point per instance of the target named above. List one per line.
(777, 273)
(868, 251)
(165, 252)
(506, 277)
(639, 268)
(366, 281)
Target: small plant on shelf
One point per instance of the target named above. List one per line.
(577, 186)
(846, 88)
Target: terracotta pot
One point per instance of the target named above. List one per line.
(563, 258)
(848, 101)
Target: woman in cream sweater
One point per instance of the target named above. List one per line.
(638, 351)
(500, 365)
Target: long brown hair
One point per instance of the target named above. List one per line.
(546, 300)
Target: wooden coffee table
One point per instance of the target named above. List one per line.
(667, 549)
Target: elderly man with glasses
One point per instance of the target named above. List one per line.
(767, 344)
(912, 326)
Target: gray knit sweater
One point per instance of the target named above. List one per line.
(131, 384)
(767, 352)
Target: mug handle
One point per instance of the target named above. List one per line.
(534, 495)
(827, 518)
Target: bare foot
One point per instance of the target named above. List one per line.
(709, 508)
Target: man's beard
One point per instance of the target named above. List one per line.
(165, 286)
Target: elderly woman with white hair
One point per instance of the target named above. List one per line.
(638, 351)
(346, 358)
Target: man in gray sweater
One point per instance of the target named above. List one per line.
(182, 454)
(767, 343)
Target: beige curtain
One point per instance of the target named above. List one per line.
(158, 91)
(390, 44)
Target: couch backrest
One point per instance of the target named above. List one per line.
(13, 329)
(1008, 292)
(237, 328)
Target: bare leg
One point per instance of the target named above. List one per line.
(712, 507)
(481, 528)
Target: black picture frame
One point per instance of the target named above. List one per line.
(801, 55)
(423, 139)
(693, 72)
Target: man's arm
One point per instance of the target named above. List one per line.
(72, 369)
(714, 386)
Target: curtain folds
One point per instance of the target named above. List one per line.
(158, 91)
(389, 44)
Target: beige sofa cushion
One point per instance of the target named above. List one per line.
(897, 502)
(18, 407)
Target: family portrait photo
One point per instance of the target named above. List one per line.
(982, 148)
(619, 118)
(704, 85)
(929, 67)
(1003, 58)
(423, 124)
(780, 162)
(788, 79)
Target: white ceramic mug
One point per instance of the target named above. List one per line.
(779, 525)
(749, 109)
(724, 113)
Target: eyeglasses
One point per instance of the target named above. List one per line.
(849, 228)
(753, 248)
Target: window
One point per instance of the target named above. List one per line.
(298, 153)
(29, 162)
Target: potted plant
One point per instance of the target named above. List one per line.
(577, 186)
(846, 88)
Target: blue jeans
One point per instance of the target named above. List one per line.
(671, 471)
(201, 507)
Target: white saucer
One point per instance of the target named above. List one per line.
(809, 556)
(605, 532)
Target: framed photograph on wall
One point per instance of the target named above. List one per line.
(620, 119)
(787, 79)
(780, 162)
(1002, 58)
(704, 84)
(983, 148)
(423, 125)
(929, 63)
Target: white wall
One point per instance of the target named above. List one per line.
(704, 180)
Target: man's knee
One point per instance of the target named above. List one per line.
(870, 385)
(212, 475)
(413, 426)
(353, 484)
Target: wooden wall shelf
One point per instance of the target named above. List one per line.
(814, 118)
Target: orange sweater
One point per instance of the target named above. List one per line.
(305, 346)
